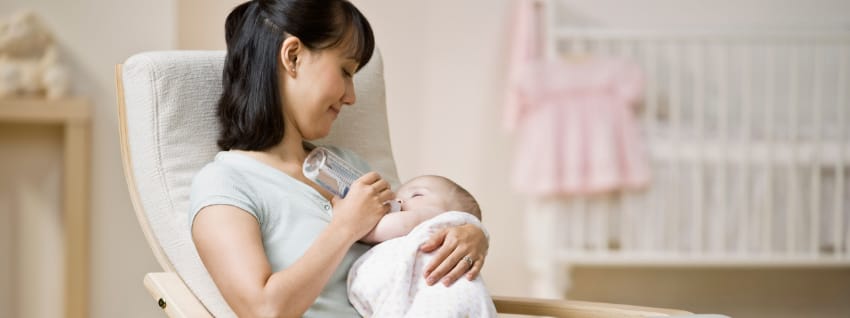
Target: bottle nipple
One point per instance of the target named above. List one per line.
(395, 205)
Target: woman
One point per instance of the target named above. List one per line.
(275, 244)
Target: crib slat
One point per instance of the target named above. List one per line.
(723, 97)
(550, 25)
(698, 221)
(625, 237)
(695, 176)
(651, 101)
(769, 100)
(745, 209)
(843, 104)
(815, 189)
(598, 216)
(673, 102)
(672, 211)
(628, 50)
(675, 129)
(791, 168)
(581, 220)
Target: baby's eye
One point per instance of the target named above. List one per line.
(416, 195)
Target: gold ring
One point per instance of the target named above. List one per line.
(468, 260)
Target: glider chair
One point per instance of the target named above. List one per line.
(168, 131)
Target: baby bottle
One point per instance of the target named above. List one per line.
(331, 172)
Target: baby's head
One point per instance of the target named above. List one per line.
(437, 193)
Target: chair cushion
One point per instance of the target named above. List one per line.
(172, 128)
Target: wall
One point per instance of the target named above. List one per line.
(94, 36)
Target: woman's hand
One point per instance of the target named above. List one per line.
(363, 206)
(459, 250)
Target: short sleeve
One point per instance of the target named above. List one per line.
(218, 185)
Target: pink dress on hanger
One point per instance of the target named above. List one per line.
(575, 125)
(576, 128)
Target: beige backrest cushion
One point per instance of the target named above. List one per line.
(171, 132)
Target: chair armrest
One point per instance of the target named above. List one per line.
(173, 296)
(572, 308)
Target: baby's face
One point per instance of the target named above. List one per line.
(425, 193)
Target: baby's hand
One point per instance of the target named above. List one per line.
(363, 206)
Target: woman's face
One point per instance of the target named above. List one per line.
(316, 89)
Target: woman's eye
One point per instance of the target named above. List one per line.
(346, 73)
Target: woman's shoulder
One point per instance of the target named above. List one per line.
(230, 171)
(220, 169)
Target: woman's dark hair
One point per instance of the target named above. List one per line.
(249, 109)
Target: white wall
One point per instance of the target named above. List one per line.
(94, 36)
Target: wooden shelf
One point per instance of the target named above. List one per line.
(40, 110)
(74, 116)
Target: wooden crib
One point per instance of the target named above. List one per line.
(749, 140)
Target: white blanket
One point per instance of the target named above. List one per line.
(388, 280)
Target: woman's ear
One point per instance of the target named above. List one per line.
(289, 52)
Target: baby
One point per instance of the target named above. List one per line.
(422, 198)
(388, 280)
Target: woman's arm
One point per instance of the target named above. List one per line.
(397, 224)
(229, 243)
(450, 246)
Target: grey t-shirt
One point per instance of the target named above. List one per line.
(291, 215)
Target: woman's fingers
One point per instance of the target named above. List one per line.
(380, 185)
(435, 241)
(386, 196)
(380, 188)
(444, 260)
(476, 268)
(457, 251)
(444, 266)
(369, 178)
(465, 265)
(435, 244)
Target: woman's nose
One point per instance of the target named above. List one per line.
(349, 97)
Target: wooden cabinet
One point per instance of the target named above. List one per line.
(74, 116)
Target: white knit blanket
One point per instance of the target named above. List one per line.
(388, 280)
